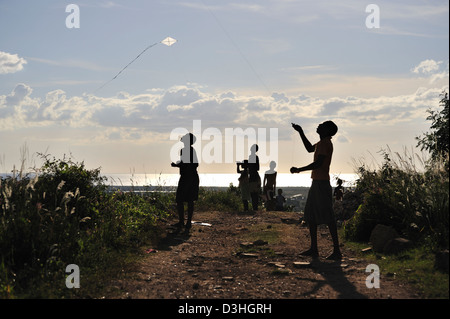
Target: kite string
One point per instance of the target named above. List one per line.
(150, 46)
(237, 48)
(135, 59)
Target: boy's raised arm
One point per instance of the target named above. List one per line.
(309, 147)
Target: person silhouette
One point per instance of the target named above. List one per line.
(280, 199)
(188, 184)
(254, 178)
(339, 191)
(319, 204)
(270, 182)
(244, 184)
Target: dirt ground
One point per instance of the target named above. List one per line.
(249, 256)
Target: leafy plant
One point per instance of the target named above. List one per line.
(411, 197)
(217, 200)
(401, 194)
(437, 140)
(62, 214)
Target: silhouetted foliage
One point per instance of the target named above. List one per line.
(437, 140)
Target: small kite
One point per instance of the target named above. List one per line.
(167, 41)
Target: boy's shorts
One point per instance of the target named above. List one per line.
(319, 204)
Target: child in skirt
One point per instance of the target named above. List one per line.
(188, 184)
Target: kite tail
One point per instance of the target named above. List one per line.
(150, 46)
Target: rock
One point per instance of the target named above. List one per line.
(301, 264)
(397, 245)
(227, 278)
(380, 236)
(441, 261)
(202, 224)
(259, 242)
(276, 264)
(246, 244)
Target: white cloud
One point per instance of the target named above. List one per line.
(157, 111)
(138, 122)
(427, 66)
(132, 117)
(10, 63)
(433, 70)
(20, 92)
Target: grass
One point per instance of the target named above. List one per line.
(63, 214)
(265, 232)
(411, 194)
(219, 200)
(414, 267)
(261, 232)
(66, 216)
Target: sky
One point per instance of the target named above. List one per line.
(246, 66)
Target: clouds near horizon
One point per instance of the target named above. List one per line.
(158, 111)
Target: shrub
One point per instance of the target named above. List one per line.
(398, 194)
(127, 219)
(218, 200)
(437, 140)
(63, 214)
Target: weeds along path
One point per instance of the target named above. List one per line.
(249, 256)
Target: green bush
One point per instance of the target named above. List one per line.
(64, 214)
(128, 219)
(413, 200)
(398, 194)
(217, 200)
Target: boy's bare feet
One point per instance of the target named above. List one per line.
(336, 255)
(310, 252)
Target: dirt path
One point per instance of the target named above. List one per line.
(250, 256)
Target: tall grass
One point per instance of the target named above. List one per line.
(219, 200)
(408, 192)
(63, 213)
(60, 214)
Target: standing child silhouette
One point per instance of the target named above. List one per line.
(319, 204)
(270, 182)
(254, 178)
(188, 184)
(280, 199)
(339, 191)
(244, 184)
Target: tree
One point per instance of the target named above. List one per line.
(437, 140)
